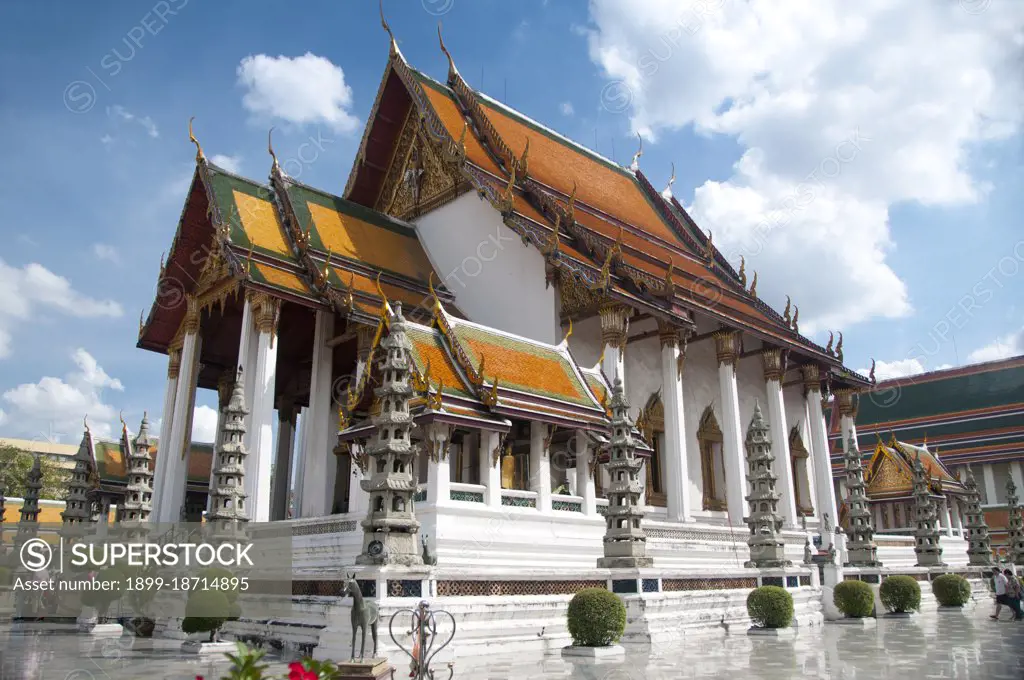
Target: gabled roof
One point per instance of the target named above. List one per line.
(599, 225)
(972, 413)
(289, 240)
(890, 473)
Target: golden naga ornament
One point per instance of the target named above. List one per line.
(743, 271)
(669, 287)
(570, 211)
(192, 138)
(871, 375)
(507, 201)
(839, 348)
(553, 244)
(796, 318)
(524, 162)
(828, 347)
(709, 253)
(785, 314)
(753, 286)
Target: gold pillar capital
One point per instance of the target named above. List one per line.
(811, 377)
(773, 361)
(173, 363)
(614, 324)
(668, 334)
(190, 324)
(364, 341)
(727, 346)
(845, 402)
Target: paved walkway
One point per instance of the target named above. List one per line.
(945, 644)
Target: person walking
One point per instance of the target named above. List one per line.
(999, 583)
(1013, 594)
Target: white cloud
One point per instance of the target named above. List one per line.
(301, 90)
(56, 404)
(229, 163)
(844, 109)
(105, 252)
(1002, 348)
(106, 139)
(33, 288)
(204, 424)
(120, 113)
(566, 108)
(3, 418)
(901, 368)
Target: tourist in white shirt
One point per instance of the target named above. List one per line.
(999, 581)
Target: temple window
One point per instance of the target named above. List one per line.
(652, 423)
(465, 456)
(798, 461)
(712, 462)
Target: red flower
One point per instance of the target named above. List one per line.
(199, 677)
(296, 671)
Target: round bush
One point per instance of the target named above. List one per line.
(900, 594)
(770, 607)
(855, 599)
(951, 590)
(597, 618)
(205, 612)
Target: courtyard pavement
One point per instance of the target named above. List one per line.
(944, 644)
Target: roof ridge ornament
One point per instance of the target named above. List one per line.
(524, 162)
(743, 271)
(85, 421)
(634, 165)
(192, 138)
(384, 23)
(571, 209)
(270, 148)
(796, 318)
(753, 286)
(785, 314)
(453, 72)
(709, 252)
(871, 375)
(386, 307)
(670, 284)
(839, 348)
(565, 340)
(828, 347)
(124, 425)
(667, 192)
(507, 201)
(433, 293)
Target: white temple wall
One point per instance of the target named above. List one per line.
(585, 341)
(751, 387)
(700, 388)
(497, 281)
(643, 372)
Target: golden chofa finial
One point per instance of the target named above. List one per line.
(634, 165)
(785, 313)
(524, 163)
(839, 348)
(670, 283)
(192, 138)
(462, 139)
(828, 347)
(552, 245)
(871, 375)
(85, 421)
(568, 333)
(380, 291)
(270, 148)
(452, 71)
(162, 256)
(743, 271)
(507, 201)
(327, 266)
(753, 286)
(384, 23)
(710, 250)
(124, 425)
(796, 318)
(433, 293)
(142, 326)
(667, 193)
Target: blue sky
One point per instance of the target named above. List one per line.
(920, 210)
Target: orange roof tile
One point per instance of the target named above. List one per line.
(448, 111)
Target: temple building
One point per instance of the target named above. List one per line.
(963, 416)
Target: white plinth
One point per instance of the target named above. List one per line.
(899, 615)
(602, 653)
(107, 630)
(857, 622)
(772, 632)
(207, 648)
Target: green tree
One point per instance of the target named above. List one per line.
(15, 464)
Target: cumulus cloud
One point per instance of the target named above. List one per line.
(843, 109)
(105, 252)
(59, 404)
(1002, 348)
(229, 163)
(301, 90)
(29, 290)
(204, 424)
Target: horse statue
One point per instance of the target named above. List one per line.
(364, 614)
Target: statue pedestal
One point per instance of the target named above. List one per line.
(364, 669)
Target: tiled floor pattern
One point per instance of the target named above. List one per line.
(946, 644)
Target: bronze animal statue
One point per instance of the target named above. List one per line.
(364, 614)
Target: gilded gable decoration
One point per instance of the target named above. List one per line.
(418, 179)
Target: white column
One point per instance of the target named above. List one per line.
(316, 451)
(1016, 476)
(773, 362)
(585, 480)
(300, 461)
(958, 523)
(726, 346)
(614, 329)
(283, 463)
(677, 476)
(179, 442)
(166, 419)
(826, 499)
(988, 472)
(439, 469)
(261, 410)
(490, 471)
(540, 465)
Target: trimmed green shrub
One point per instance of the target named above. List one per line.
(855, 599)
(900, 594)
(597, 618)
(951, 590)
(770, 607)
(205, 612)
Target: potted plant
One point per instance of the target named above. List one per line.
(206, 611)
(900, 595)
(951, 590)
(596, 620)
(856, 601)
(770, 609)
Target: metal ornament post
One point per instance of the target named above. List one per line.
(424, 631)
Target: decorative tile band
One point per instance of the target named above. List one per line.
(468, 496)
(405, 588)
(805, 580)
(679, 584)
(650, 585)
(506, 588)
(318, 588)
(567, 506)
(603, 510)
(519, 502)
(420, 496)
(339, 527)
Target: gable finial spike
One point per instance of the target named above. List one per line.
(667, 193)
(635, 163)
(85, 421)
(433, 293)
(871, 375)
(384, 23)
(192, 138)
(121, 416)
(452, 71)
(270, 148)
(743, 271)
(565, 340)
